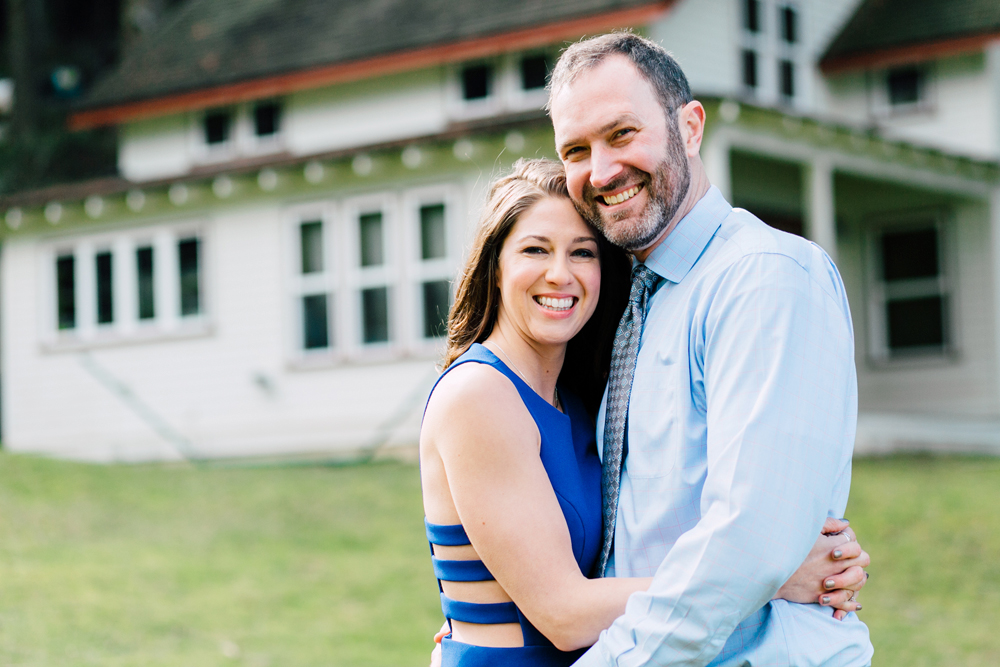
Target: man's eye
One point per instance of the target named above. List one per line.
(625, 131)
(575, 151)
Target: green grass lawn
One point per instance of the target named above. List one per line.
(289, 566)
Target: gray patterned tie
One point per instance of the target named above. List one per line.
(623, 357)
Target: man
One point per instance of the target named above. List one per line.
(741, 407)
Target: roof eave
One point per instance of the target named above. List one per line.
(383, 65)
(907, 54)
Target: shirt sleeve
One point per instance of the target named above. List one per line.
(777, 357)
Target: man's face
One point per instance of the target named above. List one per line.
(626, 169)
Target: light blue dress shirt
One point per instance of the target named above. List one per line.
(740, 435)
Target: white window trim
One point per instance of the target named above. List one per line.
(881, 107)
(243, 140)
(491, 105)
(126, 327)
(359, 277)
(879, 354)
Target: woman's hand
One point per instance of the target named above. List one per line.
(832, 573)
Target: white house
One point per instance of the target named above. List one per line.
(298, 181)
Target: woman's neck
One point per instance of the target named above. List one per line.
(538, 365)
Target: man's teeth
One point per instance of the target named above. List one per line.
(555, 304)
(622, 196)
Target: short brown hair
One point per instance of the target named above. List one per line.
(651, 60)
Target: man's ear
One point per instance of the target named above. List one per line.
(691, 122)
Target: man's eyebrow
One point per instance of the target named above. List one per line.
(624, 119)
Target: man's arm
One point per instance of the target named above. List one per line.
(781, 405)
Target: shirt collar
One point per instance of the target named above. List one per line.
(675, 256)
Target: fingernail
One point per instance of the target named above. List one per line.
(858, 608)
(838, 553)
(867, 574)
(829, 583)
(844, 520)
(826, 599)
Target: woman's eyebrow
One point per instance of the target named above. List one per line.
(584, 239)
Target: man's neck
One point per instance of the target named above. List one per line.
(698, 188)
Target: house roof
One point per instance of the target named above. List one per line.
(889, 32)
(220, 51)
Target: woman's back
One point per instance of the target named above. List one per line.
(480, 390)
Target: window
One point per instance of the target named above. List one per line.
(374, 298)
(750, 69)
(187, 255)
(534, 71)
(787, 20)
(110, 287)
(144, 275)
(476, 81)
(217, 126)
(435, 294)
(905, 86)
(105, 288)
(266, 119)
(911, 297)
(751, 15)
(371, 239)
(66, 292)
(786, 75)
(315, 296)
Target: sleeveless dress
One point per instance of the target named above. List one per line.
(569, 455)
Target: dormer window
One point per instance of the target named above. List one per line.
(534, 71)
(477, 80)
(266, 119)
(905, 86)
(218, 127)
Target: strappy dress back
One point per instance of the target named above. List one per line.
(569, 454)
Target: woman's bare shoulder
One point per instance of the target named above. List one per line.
(476, 400)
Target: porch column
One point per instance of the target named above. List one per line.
(715, 155)
(820, 221)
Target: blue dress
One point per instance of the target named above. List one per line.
(569, 455)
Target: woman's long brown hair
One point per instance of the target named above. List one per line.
(477, 298)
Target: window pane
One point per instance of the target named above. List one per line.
(144, 273)
(437, 301)
(788, 27)
(534, 69)
(432, 231)
(751, 15)
(267, 119)
(916, 322)
(904, 85)
(371, 239)
(749, 69)
(187, 252)
(787, 76)
(375, 314)
(912, 254)
(105, 295)
(476, 82)
(315, 322)
(311, 241)
(217, 126)
(66, 292)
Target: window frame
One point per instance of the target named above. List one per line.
(125, 327)
(879, 353)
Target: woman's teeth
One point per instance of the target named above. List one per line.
(555, 304)
(621, 196)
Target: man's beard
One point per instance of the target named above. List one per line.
(665, 190)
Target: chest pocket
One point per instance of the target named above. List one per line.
(655, 429)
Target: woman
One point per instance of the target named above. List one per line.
(509, 468)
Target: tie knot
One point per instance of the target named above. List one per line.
(643, 282)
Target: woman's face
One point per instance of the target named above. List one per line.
(550, 273)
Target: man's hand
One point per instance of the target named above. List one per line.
(833, 572)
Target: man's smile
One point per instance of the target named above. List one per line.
(618, 198)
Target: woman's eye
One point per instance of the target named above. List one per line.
(585, 252)
(533, 250)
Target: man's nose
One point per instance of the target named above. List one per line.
(604, 166)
